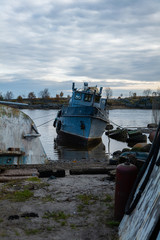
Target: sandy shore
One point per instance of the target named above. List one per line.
(74, 207)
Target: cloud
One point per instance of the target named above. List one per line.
(44, 43)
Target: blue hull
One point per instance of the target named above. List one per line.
(81, 122)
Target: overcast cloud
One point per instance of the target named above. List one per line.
(51, 43)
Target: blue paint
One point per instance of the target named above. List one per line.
(12, 160)
(6, 160)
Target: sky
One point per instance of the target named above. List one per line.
(52, 43)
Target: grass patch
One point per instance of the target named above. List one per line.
(87, 199)
(48, 198)
(73, 226)
(21, 196)
(32, 231)
(33, 179)
(110, 205)
(63, 223)
(17, 233)
(83, 210)
(108, 198)
(57, 216)
(49, 228)
(32, 183)
(112, 223)
(14, 185)
(80, 208)
(16, 196)
(10, 184)
(22, 191)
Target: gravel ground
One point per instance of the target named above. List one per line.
(75, 207)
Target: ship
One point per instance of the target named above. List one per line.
(84, 120)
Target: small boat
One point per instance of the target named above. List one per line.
(136, 136)
(142, 138)
(84, 120)
(118, 134)
(135, 132)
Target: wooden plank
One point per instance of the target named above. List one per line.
(12, 153)
(19, 172)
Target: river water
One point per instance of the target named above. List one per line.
(122, 117)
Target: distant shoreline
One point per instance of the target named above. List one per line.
(56, 106)
(140, 102)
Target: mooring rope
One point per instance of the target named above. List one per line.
(45, 122)
(43, 116)
(115, 124)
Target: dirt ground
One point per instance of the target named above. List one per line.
(74, 207)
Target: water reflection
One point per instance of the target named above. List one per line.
(67, 152)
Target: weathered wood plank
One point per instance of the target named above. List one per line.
(140, 224)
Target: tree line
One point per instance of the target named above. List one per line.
(44, 94)
(146, 93)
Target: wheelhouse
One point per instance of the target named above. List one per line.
(88, 96)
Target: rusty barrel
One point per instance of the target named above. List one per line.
(126, 174)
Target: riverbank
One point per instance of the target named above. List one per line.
(137, 102)
(61, 208)
(134, 101)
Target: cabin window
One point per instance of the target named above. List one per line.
(97, 99)
(87, 97)
(78, 96)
